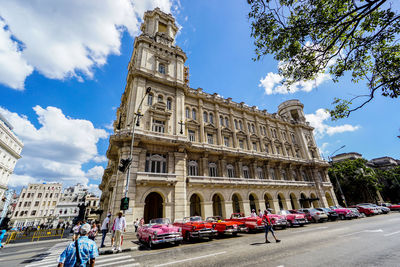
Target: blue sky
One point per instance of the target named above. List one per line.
(61, 80)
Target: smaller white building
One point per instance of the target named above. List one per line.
(67, 208)
(10, 153)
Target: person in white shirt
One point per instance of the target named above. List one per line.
(119, 226)
(104, 229)
(75, 230)
(253, 213)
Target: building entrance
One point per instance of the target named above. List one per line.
(153, 207)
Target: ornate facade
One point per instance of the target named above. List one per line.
(196, 153)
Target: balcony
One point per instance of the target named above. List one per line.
(246, 181)
(149, 177)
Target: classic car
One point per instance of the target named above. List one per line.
(159, 231)
(355, 213)
(252, 223)
(384, 210)
(195, 227)
(391, 206)
(226, 227)
(332, 215)
(343, 212)
(364, 209)
(315, 215)
(278, 221)
(293, 218)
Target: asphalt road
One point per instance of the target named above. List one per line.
(372, 241)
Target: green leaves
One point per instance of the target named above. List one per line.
(314, 36)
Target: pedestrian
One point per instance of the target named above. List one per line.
(93, 231)
(136, 224)
(253, 213)
(104, 229)
(268, 227)
(260, 214)
(75, 230)
(119, 227)
(2, 234)
(81, 252)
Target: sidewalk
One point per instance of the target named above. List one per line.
(128, 244)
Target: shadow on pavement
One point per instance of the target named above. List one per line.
(37, 257)
(257, 244)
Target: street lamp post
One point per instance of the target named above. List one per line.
(127, 162)
(334, 174)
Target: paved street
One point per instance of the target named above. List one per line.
(370, 241)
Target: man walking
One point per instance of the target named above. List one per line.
(81, 252)
(268, 227)
(104, 229)
(119, 226)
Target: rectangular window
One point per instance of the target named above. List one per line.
(28, 195)
(246, 173)
(192, 137)
(230, 172)
(23, 195)
(213, 171)
(260, 173)
(33, 213)
(241, 144)
(254, 146)
(36, 203)
(156, 163)
(226, 141)
(210, 139)
(54, 203)
(39, 195)
(158, 126)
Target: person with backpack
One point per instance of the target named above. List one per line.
(268, 227)
(81, 252)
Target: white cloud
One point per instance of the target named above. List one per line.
(99, 159)
(65, 38)
(13, 67)
(55, 151)
(95, 173)
(272, 84)
(317, 120)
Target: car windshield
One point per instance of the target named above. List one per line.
(160, 221)
(283, 212)
(195, 219)
(211, 219)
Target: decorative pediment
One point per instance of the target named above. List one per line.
(266, 139)
(210, 126)
(240, 132)
(190, 122)
(159, 110)
(226, 130)
(253, 136)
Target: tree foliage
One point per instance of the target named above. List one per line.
(310, 37)
(359, 183)
(390, 180)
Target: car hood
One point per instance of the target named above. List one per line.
(163, 229)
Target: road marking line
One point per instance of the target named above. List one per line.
(364, 231)
(308, 230)
(112, 259)
(394, 233)
(119, 263)
(190, 259)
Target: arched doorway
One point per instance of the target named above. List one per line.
(269, 203)
(217, 206)
(236, 205)
(253, 204)
(314, 201)
(293, 201)
(329, 199)
(304, 203)
(282, 202)
(153, 207)
(195, 205)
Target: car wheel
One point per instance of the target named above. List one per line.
(234, 234)
(150, 244)
(290, 224)
(313, 220)
(187, 236)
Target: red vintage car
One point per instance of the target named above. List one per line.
(392, 207)
(293, 218)
(278, 221)
(159, 231)
(195, 227)
(252, 223)
(364, 209)
(225, 227)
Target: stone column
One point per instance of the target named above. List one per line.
(275, 204)
(319, 189)
(228, 209)
(180, 186)
(208, 209)
(254, 165)
(223, 168)
(240, 169)
(204, 161)
(289, 204)
(234, 141)
(171, 162)
(201, 119)
(246, 207)
(219, 135)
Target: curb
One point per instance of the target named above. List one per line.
(110, 251)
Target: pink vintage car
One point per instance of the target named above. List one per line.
(159, 231)
(343, 212)
(278, 221)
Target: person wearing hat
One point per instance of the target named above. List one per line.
(119, 227)
(253, 213)
(81, 252)
(104, 229)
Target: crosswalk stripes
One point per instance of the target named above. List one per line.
(119, 259)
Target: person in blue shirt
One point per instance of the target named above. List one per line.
(87, 251)
(2, 233)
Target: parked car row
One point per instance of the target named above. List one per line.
(161, 230)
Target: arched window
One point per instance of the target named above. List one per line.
(150, 99)
(221, 120)
(156, 163)
(226, 122)
(212, 169)
(283, 173)
(294, 174)
(230, 170)
(211, 118)
(236, 124)
(260, 173)
(252, 128)
(271, 174)
(160, 98)
(246, 173)
(304, 176)
(241, 125)
(193, 168)
(248, 127)
(187, 113)
(205, 116)
(161, 68)
(169, 103)
(194, 114)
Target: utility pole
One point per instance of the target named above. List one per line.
(334, 174)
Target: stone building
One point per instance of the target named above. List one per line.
(36, 205)
(67, 208)
(196, 153)
(346, 156)
(92, 204)
(10, 153)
